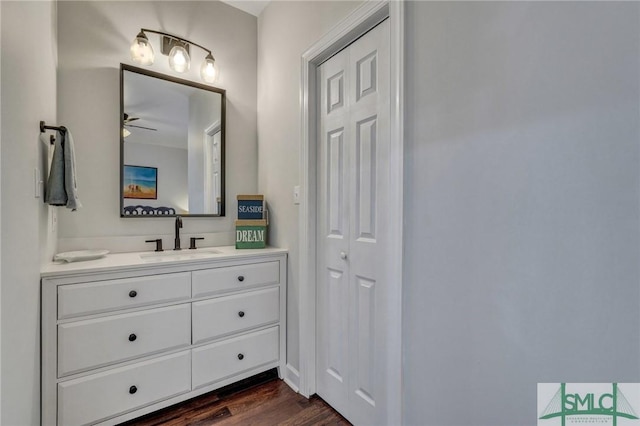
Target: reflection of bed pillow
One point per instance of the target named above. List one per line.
(148, 211)
(165, 210)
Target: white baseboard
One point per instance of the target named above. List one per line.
(292, 378)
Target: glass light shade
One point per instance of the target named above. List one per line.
(179, 60)
(209, 69)
(125, 132)
(141, 50)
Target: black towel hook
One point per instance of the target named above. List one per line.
(43, 127)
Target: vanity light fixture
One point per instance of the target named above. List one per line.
(209, 70)
(177, 48)
(179, 59)
(141, 50)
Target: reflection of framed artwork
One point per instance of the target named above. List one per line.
(140, 182)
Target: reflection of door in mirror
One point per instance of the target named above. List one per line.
(177, 127)
(212, 168)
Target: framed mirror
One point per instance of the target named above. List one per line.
(172, 153)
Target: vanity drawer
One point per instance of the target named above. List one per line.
(99, 396)
(220, 360)
(224, 315)
(217, 280)
(97, 342)
(104, 296)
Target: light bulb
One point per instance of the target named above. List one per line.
(209, 69)
(179, 60)
(141, 50)
(125, 132)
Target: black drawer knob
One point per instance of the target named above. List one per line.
(241, 314)
(133, 293)
(133, 390)
(132, 337)
(241, 278)
(240, 357)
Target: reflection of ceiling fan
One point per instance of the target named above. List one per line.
(128, 119)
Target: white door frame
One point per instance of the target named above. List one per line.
(353, 26)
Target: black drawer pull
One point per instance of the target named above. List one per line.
(133, 293)
(133, 390)
(132, 337)
(240, 357)
(241, 314)
(241, 278)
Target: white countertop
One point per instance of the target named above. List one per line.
(117, 261)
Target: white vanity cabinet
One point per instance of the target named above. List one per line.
(123, 337)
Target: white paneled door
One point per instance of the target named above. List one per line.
(353, 208)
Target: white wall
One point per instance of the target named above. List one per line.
(94, 38)
(522, 195)
(28, 86)
(172, 174)
(521, 205)
(285, 30)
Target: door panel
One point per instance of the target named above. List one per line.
(333, 231)
(369, 126)
(353, 143)
(365, 339)
(335, 91)
(336, 360)
(365, 189)
(366, 73)
(335, 183)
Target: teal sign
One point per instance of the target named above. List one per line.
(251, 234)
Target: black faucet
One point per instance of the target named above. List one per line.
(158, 243)
(193, 242)
(178, 226)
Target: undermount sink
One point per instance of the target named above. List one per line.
(187, 254)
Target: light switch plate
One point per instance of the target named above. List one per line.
(296, 194)
(37, 183)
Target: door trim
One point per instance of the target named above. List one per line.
(353, 26)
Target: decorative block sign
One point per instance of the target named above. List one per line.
(251, 234)
(250, 207)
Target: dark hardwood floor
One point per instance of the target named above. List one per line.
(260, 400)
